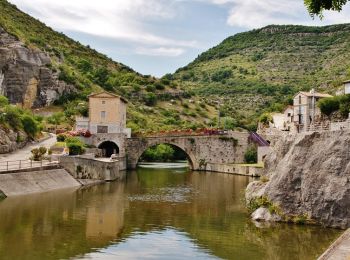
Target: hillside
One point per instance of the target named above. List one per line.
(261, 69)
(40, 67)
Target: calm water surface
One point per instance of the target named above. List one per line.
(154, 214)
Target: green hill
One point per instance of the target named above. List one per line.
(262, 69)
(155, 104)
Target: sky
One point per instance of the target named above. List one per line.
(155, 37)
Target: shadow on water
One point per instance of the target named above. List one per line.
(156, 213)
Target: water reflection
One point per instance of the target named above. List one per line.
(159, 213)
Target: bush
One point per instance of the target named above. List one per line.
(61, 138)
(251, 155)
(38, 153)
(265, 119)
(3, 101)
(328, 105)
(150, 99)
(30, 126)
(13, 117)
(150, 88)
(75, 146)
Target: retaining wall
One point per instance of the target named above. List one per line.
(234, 169)
(20, 183)
(90, 168)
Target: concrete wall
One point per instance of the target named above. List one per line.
(200, 149)
(90, 168)
(36, 181)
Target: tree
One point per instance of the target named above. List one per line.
(328, 105)
(316, 7)
(56, 119)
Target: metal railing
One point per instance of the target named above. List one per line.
(24, 164)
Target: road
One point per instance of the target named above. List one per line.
(24, 154)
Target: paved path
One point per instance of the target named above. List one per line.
(24, 154)
(339, 250)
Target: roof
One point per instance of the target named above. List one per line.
(346, 81)
(109, 94)
(315, 94)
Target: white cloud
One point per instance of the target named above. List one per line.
(161, 51)
(118, 19)
(257, 13)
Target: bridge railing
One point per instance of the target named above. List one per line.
(24, 164)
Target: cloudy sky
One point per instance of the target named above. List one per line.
(158, 36)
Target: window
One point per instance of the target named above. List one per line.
(299, 99)
(289, 114)
(103, 102)
(103, 114)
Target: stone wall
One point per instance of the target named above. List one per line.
(90, 168)
(22, 183)
(11, 141)
(235, 169)
(201, 150)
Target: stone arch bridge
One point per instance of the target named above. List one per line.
(200, 149)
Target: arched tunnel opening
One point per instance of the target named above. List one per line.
(108, 148)
(165, 153)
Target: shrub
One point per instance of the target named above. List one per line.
(150, 88)
(3, 101)
(75, 146)
(251, 155)
(30, 126)
(150, 99)
(13, 117)
(221, 75)
(61, 138)
(265, 119)
(38, 153)
(328, 105)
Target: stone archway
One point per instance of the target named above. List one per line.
(190, 158)
(108, 148)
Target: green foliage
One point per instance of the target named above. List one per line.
(316, 7)
(75, 146)
(38, 154)
(265, 118)
(12, 116)
(56, 118)
(3, 101)
(251, 155)
(159, 153)
(61, 138)
(333, 104)
(150, 99)
(30, 125)
(221, 75)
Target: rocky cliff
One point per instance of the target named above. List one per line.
(25, 74)
(307, 175)
(11, 141)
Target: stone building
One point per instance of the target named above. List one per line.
(107, 115)
(306, 112)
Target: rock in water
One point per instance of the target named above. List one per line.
(263, 214)
(309, 174)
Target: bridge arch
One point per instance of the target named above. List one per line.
(108, 148)
(190, 157)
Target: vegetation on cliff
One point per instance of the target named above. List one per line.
(260, 70)
(17, 119)
(90, 71)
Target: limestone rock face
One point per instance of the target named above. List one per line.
(309, 174)
(11, 141)
(25, 77)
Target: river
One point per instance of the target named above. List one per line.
(156, 213)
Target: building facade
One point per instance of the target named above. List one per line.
(107, 115)
(306, 112)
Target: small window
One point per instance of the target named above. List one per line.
(103, 102)
(103, 114)
(289, 114)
